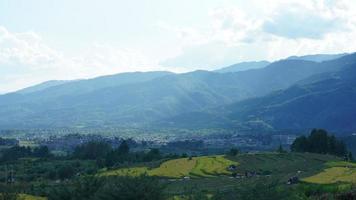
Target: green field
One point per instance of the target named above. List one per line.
(275, 164)
(337, 172)
(26, 143)
(27, 197)
(204, 166)
(30, 197)
(209, 174)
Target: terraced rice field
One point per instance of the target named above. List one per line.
(212, 166)
(205, 166)
(132, 171)
(30, 197)
(175, 168)
(344, 172)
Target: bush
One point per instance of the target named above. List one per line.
(110, 188)
(233, 152)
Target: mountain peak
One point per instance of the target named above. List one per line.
(317, 57)
(243, 66)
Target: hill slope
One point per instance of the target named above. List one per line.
(327, 103)
(323, 100)
(42, 86)
(137, 99)
(243, 66)
(318, 57)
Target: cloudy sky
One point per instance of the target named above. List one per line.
(45, 39)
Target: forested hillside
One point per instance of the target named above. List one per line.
(143, 99)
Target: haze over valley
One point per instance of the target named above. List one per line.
(177, 100)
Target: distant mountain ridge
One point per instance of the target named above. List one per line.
(86, 85)
(318, 57)
(163, 99)
(243, 66)
(329, 102)
(42, 86)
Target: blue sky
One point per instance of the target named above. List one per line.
(45, 39)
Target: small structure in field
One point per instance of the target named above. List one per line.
(232, 168)
(292, 180)
(250, 174)
(239, 175)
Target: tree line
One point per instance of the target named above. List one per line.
(320, 141)
(107, 156)
(16, 152)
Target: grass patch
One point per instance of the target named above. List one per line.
(204, 166)
(212, 166)
(30, 197)
(341, 164)
(336, 172)
(27, 143)
(334, 175)
(132, 171)
(175, 168)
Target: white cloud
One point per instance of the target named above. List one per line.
(272, 30)
(25, 59)
(24, 49)
(232, 25)
(252, 31)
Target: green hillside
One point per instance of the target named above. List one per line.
(205, 175)
(30, 197)
(324, 100)
(140, 99)
(336, 172)
(281, 165)
(205, 166)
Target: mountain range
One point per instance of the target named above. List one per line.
(293, 93)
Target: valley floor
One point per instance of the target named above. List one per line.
(226, 175)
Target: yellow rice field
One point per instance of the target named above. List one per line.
(204, 166)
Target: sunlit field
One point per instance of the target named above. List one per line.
(337, 172)
(205, 166)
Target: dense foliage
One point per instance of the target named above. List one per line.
(92, 150)
(114, 188)
(17, 152)
(319, 141)
(9, 142)
(106, 156)
(162, 99)
(7, 193)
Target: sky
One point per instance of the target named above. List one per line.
(44, 40)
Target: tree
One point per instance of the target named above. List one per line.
(264, 189)
(124, 148)
(340, 149)
(65, 172)
(280, 149)
(7, 192)
(153, 154)
(122, 188)
(300, 144)
(233, 152)
(41, 152)
(92, 150)
(15, 153)
(319, 142)
(109, 188)
(351, 158)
